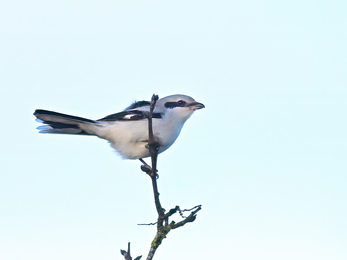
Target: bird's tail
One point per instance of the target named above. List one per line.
(58, 123)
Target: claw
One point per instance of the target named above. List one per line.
(147, 169)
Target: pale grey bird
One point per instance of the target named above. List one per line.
(127, 131)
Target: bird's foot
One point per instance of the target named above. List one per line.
(147, 169)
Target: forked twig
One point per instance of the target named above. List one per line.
(127, 255)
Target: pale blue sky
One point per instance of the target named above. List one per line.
(266, 158)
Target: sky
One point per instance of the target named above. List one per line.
(266, 158)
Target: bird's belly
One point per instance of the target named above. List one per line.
(132, 150)
(131, 143)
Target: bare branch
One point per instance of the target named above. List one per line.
(163, 226)
(153, 147)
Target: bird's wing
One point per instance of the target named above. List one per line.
(139, 104)
(129, 115)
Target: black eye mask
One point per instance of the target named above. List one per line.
(179, 103)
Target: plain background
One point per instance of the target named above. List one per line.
(266, 158)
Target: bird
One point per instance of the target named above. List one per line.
(127, 131)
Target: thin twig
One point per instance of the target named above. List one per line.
(190, 218)
(127, 255)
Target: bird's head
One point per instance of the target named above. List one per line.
(181, 105)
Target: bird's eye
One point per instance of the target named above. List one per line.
(181, 103)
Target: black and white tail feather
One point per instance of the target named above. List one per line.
(58, 123)
(127, 131)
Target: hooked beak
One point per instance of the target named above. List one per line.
(196, 105)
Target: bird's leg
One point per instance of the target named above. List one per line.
(144, 163)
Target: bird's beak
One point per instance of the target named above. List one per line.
(196, 105)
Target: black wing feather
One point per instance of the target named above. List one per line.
(137, 104)
(131, 115)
